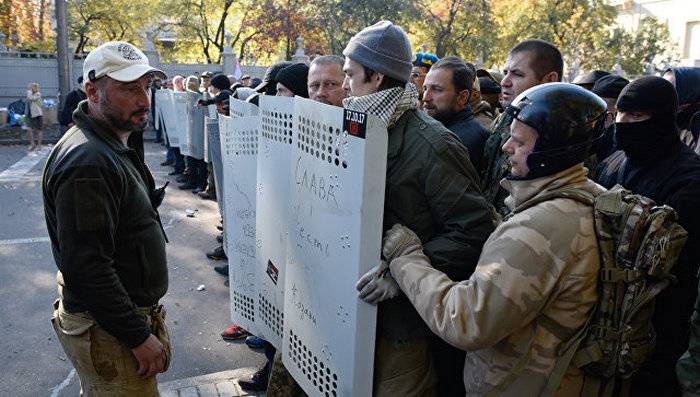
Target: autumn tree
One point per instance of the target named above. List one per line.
(26, 24)
(579, 28)
(456, 27)
(199, 25)
(339, 20)
(92, 22)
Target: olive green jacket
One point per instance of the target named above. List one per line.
(432, 187)
(106, 235)
(495, 165)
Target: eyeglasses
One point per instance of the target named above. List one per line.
(415, 75)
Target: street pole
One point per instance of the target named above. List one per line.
(62, 52)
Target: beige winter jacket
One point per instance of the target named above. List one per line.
(34, 102)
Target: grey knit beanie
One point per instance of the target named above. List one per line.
(384, 48)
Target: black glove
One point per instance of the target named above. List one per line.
(157, 195)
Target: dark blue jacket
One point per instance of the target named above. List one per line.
(470, 133)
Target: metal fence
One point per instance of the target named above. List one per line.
(17, 69)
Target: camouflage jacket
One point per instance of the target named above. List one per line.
(538, 271)
(495, 165)
(484, 114)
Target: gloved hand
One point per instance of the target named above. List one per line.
(399, 241)
(377, 285)
(157, 195)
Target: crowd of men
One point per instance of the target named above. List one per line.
(489, 266)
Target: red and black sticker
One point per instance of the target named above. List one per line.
(355, 123)
(272, 271)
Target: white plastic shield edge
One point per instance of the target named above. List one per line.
(159, 96)
(239, 147)
(274, 157)
(238, 108)
(329, 333)
(195, 118)
(182, 122)
(169, 119)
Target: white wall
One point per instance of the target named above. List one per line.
(682, 17)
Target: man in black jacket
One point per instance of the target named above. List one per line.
(447, 89)
(100, 204)
(658, 165)
(72, 100)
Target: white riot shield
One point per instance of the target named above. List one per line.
(213, 126)
(207, 140)
(337, 173)
(182, 123)
(195, 131)
(239, 149)
(159, 98)
(169, 119)
(238, 108)
(274, 157)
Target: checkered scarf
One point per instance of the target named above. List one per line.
(388, 105)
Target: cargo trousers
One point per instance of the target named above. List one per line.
(105, 366)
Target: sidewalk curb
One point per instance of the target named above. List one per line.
(218, 384)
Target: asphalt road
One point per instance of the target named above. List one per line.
(32, 362)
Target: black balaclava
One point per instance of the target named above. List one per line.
(643, 141)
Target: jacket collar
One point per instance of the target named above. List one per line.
(86, 122)
(524, 190)
(465, 114)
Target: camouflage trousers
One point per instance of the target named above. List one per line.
(105, 366)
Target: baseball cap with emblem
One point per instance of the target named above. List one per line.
(120, 61)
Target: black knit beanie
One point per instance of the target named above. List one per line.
(221, 82)
(610, 86)
(295, 77)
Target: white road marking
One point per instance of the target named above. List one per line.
(57, 389)
(18, 170)
(25, 240)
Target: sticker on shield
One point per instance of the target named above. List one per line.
(355, 123)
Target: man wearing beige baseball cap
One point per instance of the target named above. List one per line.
(100, 204)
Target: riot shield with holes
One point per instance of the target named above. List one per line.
(195, 130)
(158, 121)
(167, 101)
(274, 157)
(337, 177)
(182, 123)
(239, 150)
(238, 108)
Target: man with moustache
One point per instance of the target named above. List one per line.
(529, 63)
(326, 80)
(108, 242)
(446, 92)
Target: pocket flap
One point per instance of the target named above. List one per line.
(74, 323)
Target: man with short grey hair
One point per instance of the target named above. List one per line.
(101, 204)
(326, 80)
(430, 184)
